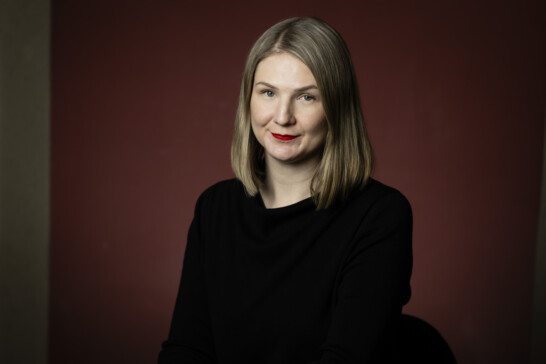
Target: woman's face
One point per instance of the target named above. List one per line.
(286, 110)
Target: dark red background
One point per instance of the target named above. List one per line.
(143, 101)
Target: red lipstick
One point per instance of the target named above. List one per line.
(283, 137)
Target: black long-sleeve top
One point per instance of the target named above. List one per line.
(291, 284)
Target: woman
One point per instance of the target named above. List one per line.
(303, 258)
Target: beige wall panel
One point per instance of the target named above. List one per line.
(24, 180)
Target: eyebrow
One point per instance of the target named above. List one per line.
(305, 88)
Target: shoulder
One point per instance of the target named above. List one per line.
(223, 187)
(382, 204)
(221, 193)
(378, 193)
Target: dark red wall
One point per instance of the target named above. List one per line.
(143, 100)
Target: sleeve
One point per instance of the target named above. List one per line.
(374, 286)
(190, 338)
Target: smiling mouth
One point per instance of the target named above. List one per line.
(283, 137)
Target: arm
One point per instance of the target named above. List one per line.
(190, 337)
(374, 285)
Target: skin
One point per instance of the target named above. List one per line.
(288, 120)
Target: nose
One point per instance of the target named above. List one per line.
(284, 114)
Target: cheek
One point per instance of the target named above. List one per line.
(320, 126)
(254, 122)
(260, 112)
(324, 127)
(322, 132)
(254, 113)
(254, 126)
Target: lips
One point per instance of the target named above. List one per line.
(284, 137)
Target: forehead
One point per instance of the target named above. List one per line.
(284, 68)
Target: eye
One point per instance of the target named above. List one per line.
(268, 93)
(307, 98)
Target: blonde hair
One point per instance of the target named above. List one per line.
(347, 161)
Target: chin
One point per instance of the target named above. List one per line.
(282, 153)
(286, 159)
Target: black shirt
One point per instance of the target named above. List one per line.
(291, 284)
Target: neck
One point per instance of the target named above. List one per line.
(287, 184)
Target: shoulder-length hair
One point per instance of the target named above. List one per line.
(347, 161)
